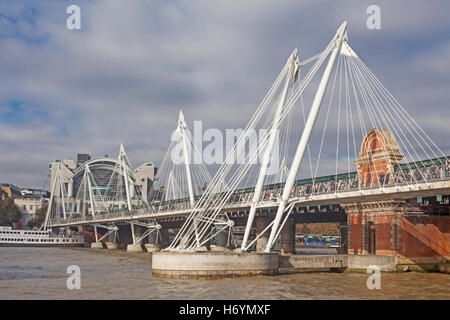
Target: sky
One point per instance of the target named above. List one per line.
(124, 76)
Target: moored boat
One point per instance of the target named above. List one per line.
(30, 238)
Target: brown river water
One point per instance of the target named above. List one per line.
(40, 273)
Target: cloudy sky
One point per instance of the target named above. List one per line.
(123, 77)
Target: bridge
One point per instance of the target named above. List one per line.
(391, 191)
(344, 191)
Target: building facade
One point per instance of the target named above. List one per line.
(28, 206)
(413, 230)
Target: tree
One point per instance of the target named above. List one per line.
(3, 218)
(9, 212)
(38, 218)
(3, 194)
(302, 229)
(318, 228)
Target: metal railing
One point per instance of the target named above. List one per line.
(400, 177)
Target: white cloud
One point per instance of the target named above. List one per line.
(134, 64)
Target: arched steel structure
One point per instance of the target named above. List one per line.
(101, 169)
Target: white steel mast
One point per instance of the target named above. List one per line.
(182, 126)
(290, 78)
(123, 164)
(50, 203)
(338, 39)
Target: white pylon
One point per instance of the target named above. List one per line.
(58, 181)
(124, 166)
(87, 172)
(182, 127)
(340, 36)
(290, 79)
(61, 185)
(52, 195)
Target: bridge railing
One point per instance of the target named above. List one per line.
(400, 177)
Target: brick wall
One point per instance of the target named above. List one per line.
(355, 233)
(383, 233)
(417, 239)
(424, 239)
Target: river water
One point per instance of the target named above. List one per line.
(40, 273)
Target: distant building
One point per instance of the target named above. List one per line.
(145, 176)
(69, 163)
(82, 158)
(27, 200)
(29, 206)
(34, 193)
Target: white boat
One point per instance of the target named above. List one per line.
(30, 238)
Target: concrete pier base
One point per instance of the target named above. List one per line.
(134, 247)
(151, 247)
(97, 245)
(201, 249)
(288, 238)
(338, 262)
(261, 223)
(111, 245)
(219, 248)
(213, 265)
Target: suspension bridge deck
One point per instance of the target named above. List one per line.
(383, 193)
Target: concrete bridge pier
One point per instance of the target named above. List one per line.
(343, 228)
(213, 265)
(94, 244)
(164, 232)
(288, 237)
(124, 236)
(136, 232)
(153, 244)
(112, 244)
(261, 223)
(221, 239)
(97, 245)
